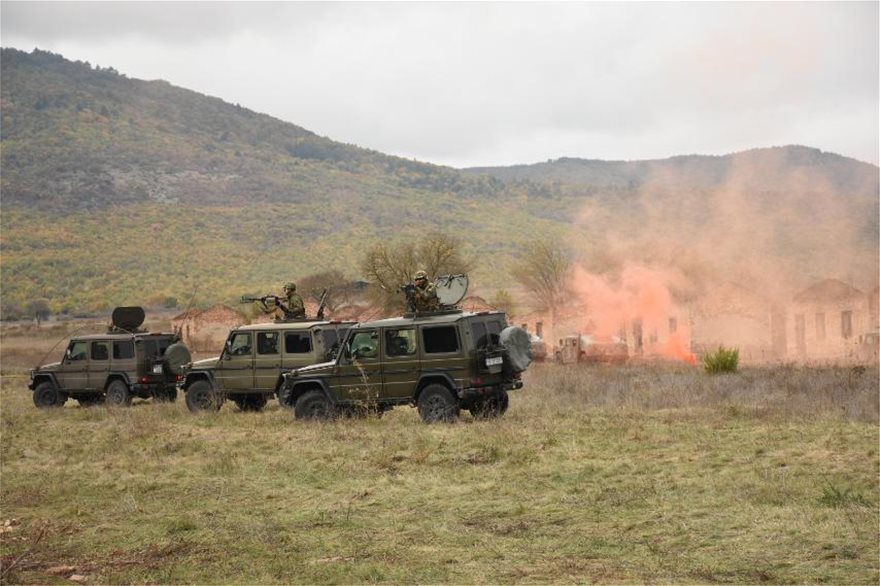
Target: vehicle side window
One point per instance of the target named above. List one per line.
(100, 350)
(77, 351)
(239, 344)
(297, 342)
(478, 331)
(440, 339)
(364, 344)
(267, 343)
(400, 342)
(123, 350)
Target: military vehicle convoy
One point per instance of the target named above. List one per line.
(440, 362)
(114, 367)
(248, 370)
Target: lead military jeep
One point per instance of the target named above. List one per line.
(440, 362)
(248, 371)
(115, 367)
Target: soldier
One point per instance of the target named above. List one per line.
(295, 307)
(425, 294)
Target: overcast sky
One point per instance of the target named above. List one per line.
(471, 84)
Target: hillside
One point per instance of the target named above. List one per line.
(118, 190)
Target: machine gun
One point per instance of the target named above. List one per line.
(268, 303)
(409, 291)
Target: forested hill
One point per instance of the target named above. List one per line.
(75, 136)
(122, 191)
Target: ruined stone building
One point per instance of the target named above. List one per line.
(204, 330)
(829, 321)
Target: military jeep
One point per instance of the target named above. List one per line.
(248, 371)
(114, 367)
(440, 362)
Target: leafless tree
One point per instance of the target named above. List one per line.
(543, 271)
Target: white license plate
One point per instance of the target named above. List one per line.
(494, 361)
(157, 369)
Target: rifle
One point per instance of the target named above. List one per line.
(321, 304)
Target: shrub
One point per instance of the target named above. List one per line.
(723, 360)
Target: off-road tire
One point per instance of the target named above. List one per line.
(313, 405)
(493, 406)
(48, 396)
(117, 394)
(201, 397)
(176, 356)
(518, 348)
(437, 403)
(254, 402)
(90, 400)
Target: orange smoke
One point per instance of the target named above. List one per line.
(606, 307)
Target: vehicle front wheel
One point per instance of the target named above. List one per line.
(493, 406)
(254, 402)
(313, 405)
(118, 394)
(47, 396)
(201, 396)
(436, 403)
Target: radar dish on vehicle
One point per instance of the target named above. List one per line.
(451, 288)
(128, 318)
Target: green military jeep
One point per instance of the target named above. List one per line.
(248, 371)
(440, 362)
(114, 367)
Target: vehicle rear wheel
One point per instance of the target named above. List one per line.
(201, 396)
(313, 405)
(493, 406)
(254, 402)
(118, 394)
(436, 403)
(47, 396)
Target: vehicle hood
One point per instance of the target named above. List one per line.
(50, 366)
(206, 363)
(311, 369)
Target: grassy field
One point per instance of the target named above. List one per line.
(636, 474)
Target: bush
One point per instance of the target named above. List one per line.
(723, 360)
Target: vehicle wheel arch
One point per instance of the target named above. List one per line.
(303, 387)
(197, 376)
(114, 376)
(431, 379)
(46, 377)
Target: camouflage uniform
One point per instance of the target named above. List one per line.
(295, 308)
(426, 293)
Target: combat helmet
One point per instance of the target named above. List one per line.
(290, 286)
(420, 275)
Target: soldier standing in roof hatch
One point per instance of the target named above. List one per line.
(426, 294)
(295, 308)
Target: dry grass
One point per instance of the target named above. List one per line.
(639, 474)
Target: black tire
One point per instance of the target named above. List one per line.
(437, 403)
(313, 405)
(49, 396)
(255, 402)
(117, 394)
(201, 396)
(90, 400)
(284, 399)
(492, 406)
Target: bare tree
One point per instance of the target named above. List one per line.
(334, 281)
(543, 270)
(387, 266)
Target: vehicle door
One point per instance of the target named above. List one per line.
(235, 370)
(123, 358)
(358, 374)
(99, 364)
(267, 363)
(74, 371)
(442, 352)
(400, 366)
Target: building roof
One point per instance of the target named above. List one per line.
(828, 290)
